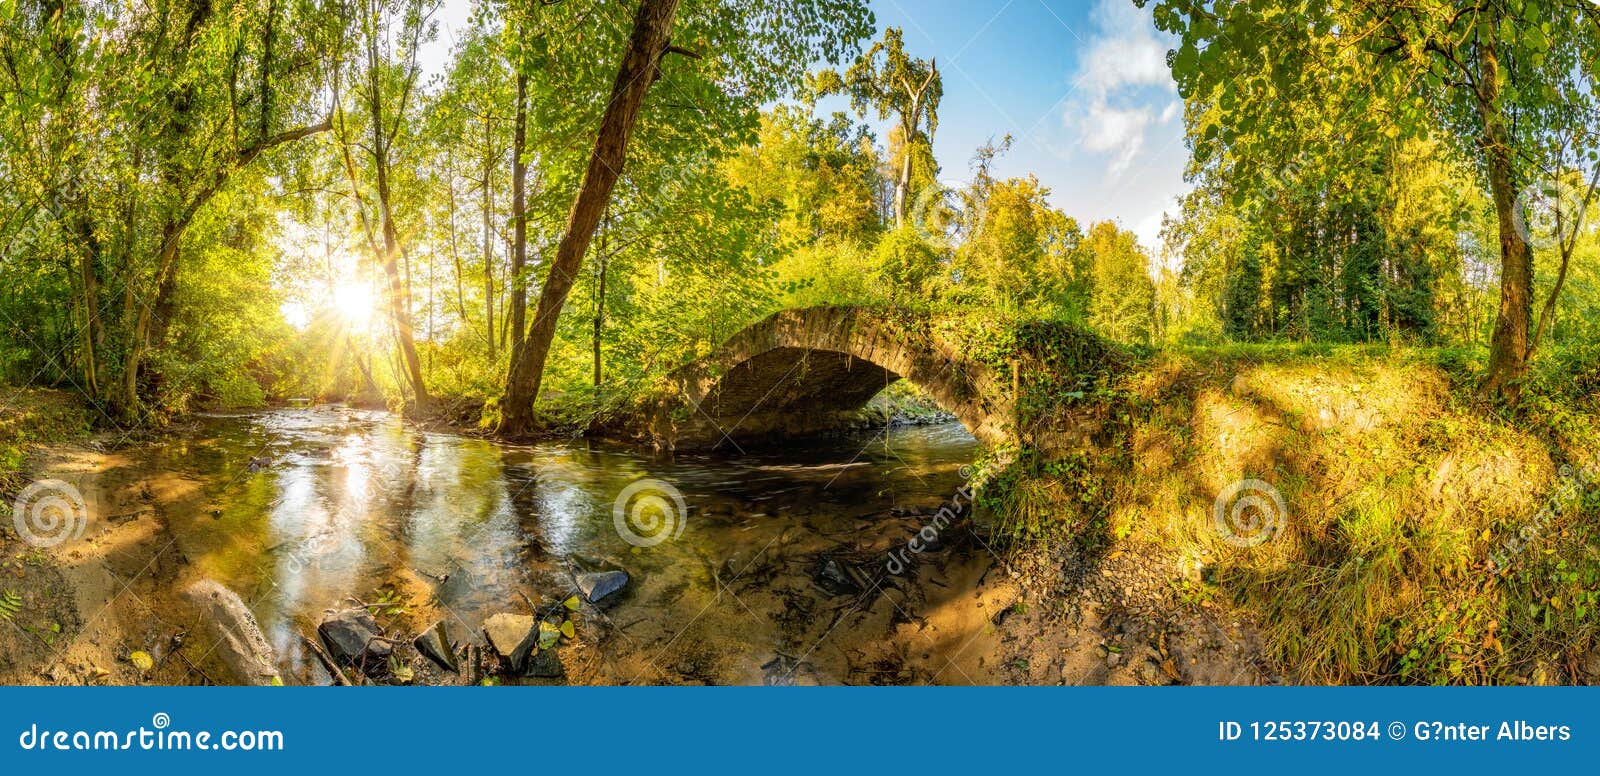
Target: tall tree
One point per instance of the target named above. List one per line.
(750, 51)
(385, 79)
(153, 124)
(652, 28)
(893, 83)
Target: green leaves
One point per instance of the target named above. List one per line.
(10, 604)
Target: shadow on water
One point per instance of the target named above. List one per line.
(776, 577)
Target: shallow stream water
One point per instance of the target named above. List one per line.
(772, 572)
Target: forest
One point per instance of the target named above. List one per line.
(1386, 251)
(208, 197)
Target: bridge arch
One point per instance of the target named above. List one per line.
(808, 371)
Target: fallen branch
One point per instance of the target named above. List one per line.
(327, 662)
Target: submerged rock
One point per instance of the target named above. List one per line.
(434, 644)
(835, 579)
(231, 627)
(354, 638)
(597, 585)
(513, 637)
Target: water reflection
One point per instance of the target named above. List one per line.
(352, 502)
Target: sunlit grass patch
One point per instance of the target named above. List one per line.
(1398, 488)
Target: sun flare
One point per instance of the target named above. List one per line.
(354, 302)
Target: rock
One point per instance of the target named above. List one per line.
(434, 644)
(835, 579)
(598, 585)
(545, 664)
(353, 638)
(513, 637)
(232, 633)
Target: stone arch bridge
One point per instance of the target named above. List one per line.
(810, 371)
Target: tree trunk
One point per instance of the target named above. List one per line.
(902, 185)
(488, 237)
(1508, 351)
(652, 27)
(398, 295)
(455, 253)
(600, 302)
(519, 223)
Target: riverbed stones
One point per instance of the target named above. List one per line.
(545, 664)
(513, 636)
(353, 637)
(597, 585)
(434, 644)
(232, 630)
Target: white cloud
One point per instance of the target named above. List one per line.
(1120, 80)
(1173, 110)
(1116, 131)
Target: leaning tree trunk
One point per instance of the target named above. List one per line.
(652, 27)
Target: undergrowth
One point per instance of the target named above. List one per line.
(1426, 538)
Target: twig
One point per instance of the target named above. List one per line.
(327, 662)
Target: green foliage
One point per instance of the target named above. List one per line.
(10, 604)
(905, 265)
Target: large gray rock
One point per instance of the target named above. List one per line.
(354, 638)
(513, 636)
(599, 584)
(434, 644)
(234, 636)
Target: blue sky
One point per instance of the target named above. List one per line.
(1081, 85)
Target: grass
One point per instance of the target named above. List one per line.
(1399, 489)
